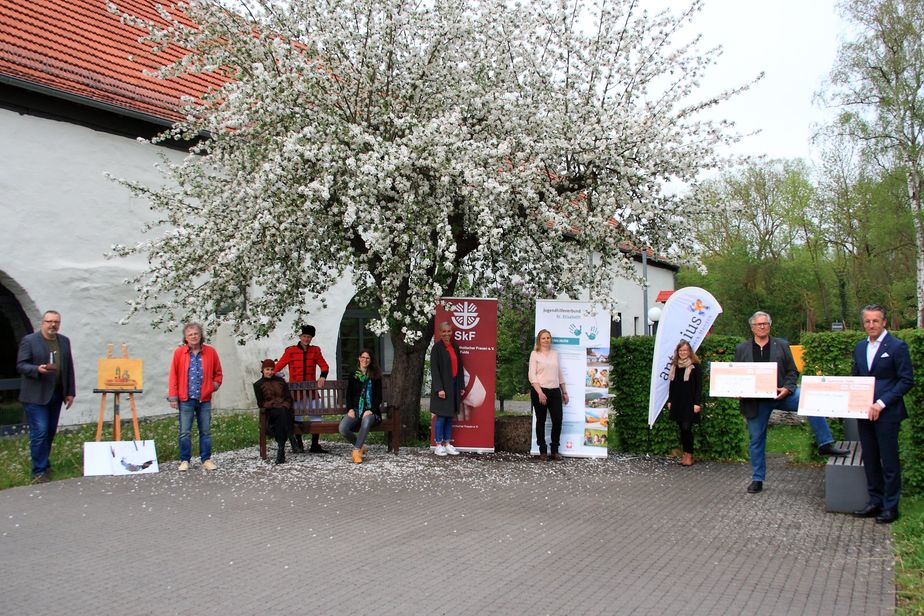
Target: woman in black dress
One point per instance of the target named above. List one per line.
(685, 398)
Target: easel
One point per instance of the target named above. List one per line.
(116, 420)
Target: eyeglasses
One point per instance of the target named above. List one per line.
(51, 321)
(760, 325)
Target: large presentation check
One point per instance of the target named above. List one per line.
(742, 379)
(836, 396)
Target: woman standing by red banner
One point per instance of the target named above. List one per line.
(547, 393)
(446, 391)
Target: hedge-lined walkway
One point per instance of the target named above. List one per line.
(415, 534)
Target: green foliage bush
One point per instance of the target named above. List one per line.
(831, 353)
(721, 434)
(515, 340)
(912, 453)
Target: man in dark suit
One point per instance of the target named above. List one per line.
(47, 368)
(762, 347)
(886, 358)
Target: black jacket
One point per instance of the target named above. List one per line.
(355, 389)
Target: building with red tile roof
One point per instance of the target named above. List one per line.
(79, 50)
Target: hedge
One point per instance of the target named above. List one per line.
(722, 434)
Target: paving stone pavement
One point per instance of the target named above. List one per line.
(416, 534)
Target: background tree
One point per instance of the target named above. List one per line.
(809, 248)
(879, 81)
(516, 312)
(761, 249)
(416, 146)
(866, 224)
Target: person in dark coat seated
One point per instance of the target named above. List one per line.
(273, 395)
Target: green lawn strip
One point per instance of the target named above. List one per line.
(230, 431)
(908, 538)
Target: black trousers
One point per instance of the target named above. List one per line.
(881, 462)
(279, 424)
(686, 435)
(553, 408)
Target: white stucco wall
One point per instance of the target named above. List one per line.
(631, 296)
(60, 215)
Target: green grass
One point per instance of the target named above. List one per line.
(230, 431)
(794, 441)
(908, 536)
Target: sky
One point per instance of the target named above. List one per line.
(794, 42)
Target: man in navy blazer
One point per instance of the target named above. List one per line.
(47, 380)
(886, 358)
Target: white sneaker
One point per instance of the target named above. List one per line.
(184, 466)
(451, 450)
(440, 450)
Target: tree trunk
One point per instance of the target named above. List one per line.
(406, 380)
(914, 195)
(840, 273)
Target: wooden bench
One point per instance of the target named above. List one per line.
(329, 402)
(845, 479)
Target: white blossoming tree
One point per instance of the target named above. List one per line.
(417, 146)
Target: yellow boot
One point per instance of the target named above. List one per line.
(357, 456)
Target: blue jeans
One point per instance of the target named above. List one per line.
(203, 413)
(442, 432)
(757, 431)
(43, 425)
(355, 429)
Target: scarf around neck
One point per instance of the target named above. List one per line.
(365, 393)
(686, 364)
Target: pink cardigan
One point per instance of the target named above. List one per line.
(178, 383)
(546, 370)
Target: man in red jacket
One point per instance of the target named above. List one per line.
(303, 361)
(195, 374)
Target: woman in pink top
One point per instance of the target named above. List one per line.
(547, 393)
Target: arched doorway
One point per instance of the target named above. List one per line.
(355, 335)
(14, 324)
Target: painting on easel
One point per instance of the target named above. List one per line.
(120, 373)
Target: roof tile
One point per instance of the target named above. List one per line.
(78, 47)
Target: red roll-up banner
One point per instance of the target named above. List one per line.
(474, 328)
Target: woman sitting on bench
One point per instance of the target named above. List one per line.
(363, 399)
(273, 395)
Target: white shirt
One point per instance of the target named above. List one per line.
(872, 348)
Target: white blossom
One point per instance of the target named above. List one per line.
(419, 146)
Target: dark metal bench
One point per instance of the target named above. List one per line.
(845, 480)
(330, 400)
